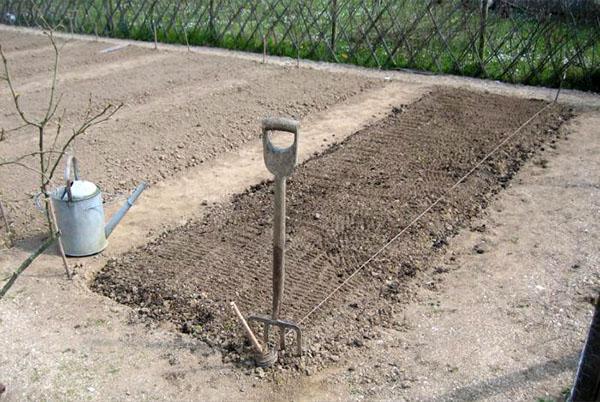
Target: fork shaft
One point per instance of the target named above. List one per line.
(278, 246)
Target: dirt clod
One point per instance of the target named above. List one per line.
(180, 110)
(397, 168)
(481, 248)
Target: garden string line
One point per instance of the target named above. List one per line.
(416, 219)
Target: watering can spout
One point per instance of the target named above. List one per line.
(116, 218)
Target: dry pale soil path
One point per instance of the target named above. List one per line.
(502, 318)
(505, 314)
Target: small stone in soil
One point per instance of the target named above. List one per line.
(480, 248)
(358, 343)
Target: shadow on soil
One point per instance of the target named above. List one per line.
(515, 380)
(30, 243)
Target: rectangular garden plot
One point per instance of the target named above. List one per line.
(343, 206)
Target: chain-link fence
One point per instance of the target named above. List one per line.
(539, 42)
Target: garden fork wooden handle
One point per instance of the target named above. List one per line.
(280, 162)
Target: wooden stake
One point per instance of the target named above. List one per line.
(27, 263)
(485, 5)
(5, 219)
(155, 35)
(71, 24)
(249, 332)
(187, 42)
(61, 249)
(334, 13)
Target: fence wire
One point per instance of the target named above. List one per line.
(540, 42)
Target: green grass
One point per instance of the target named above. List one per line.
(441, 39)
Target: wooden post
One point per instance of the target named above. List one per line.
(334, 12)
(26, 263)
(153, 23)
(297, 39)
(61, 249)
(6, 224)
(211, 20)
(264, 49)
(109, 21)
(187, 42)
(71, 23)
(485, 5)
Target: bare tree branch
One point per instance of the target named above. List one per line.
(47, 162)
(13, 93)
(24, 166)
(51, 106)
(15, 128)
(20, 158)
(58, 131)
(102, 116)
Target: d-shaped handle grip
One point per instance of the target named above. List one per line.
(280, 161)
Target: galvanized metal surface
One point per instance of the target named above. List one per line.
(116, 218)
(81, 223)
(80, 217)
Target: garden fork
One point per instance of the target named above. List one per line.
(280, 162)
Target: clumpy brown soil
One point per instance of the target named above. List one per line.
(180, 110)
(342, 207)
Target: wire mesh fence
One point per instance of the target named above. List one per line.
(539, 42)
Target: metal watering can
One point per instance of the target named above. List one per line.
(80, 214)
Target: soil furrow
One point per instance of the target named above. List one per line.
(171, 121)
(343, 205)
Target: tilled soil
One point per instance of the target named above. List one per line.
(180, 110)
(342, 207)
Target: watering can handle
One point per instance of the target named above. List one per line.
(280, 161)
(74, 165)
(71, 165)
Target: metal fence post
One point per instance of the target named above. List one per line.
(485, 4)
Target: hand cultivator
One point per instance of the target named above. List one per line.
(280, 162)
